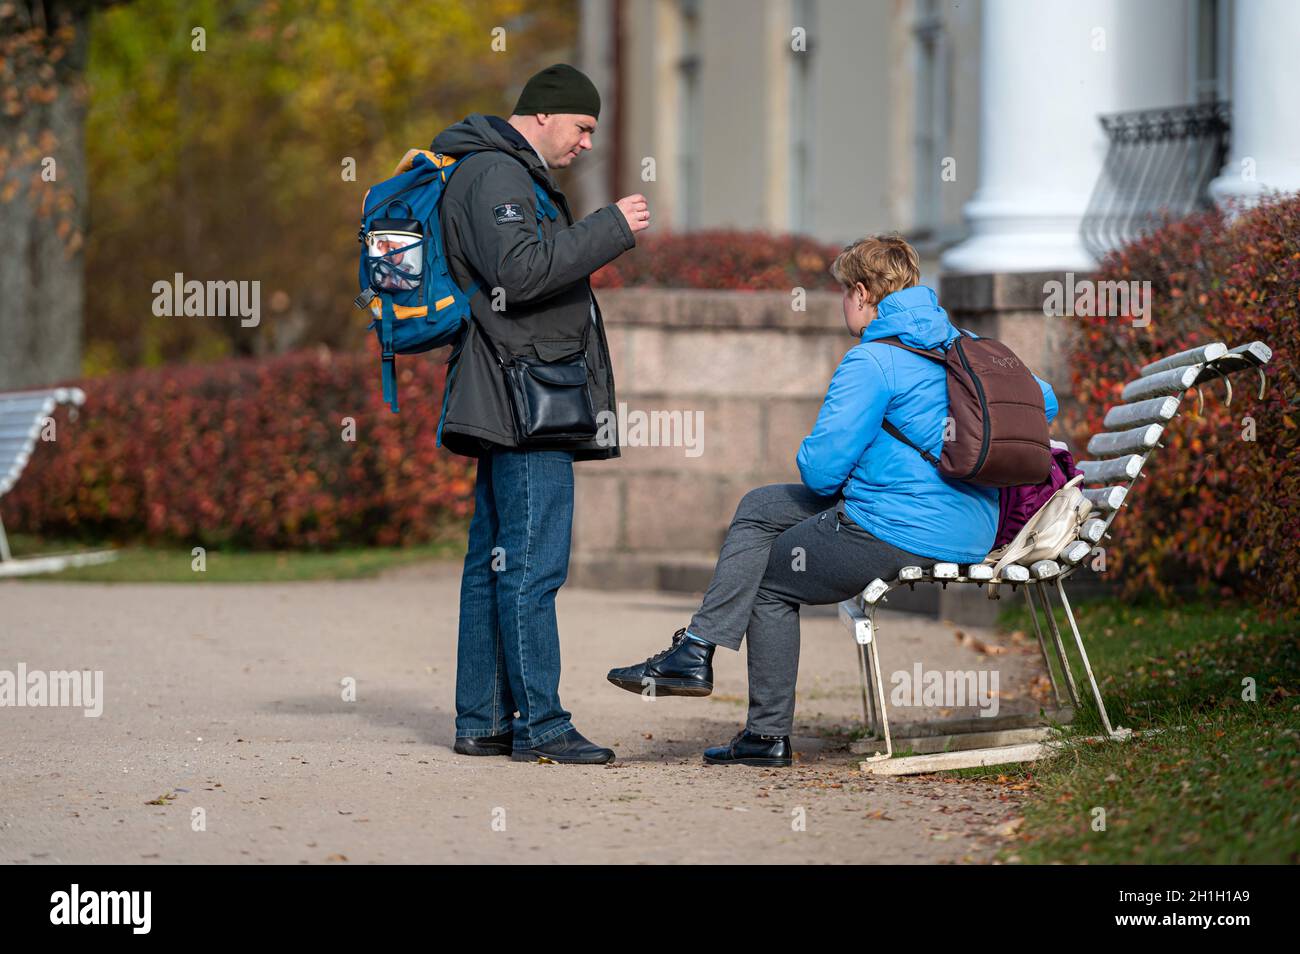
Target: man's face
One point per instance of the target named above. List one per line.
(565, 136)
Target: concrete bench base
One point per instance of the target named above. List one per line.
(54, 562)
(951, 735)
(1005, 753)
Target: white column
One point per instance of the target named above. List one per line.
(1265, 114)
(1048, 69)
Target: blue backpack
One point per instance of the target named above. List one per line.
(405, 281)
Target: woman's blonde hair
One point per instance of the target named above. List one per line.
(883, 263)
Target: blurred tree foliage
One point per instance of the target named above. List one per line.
(230, 162)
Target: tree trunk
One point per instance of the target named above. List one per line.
(42, 205)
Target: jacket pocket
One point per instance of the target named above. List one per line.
(553, 349)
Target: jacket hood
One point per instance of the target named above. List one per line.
(914, 316)
(478, 133)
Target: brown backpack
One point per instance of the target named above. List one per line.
(1001, 437)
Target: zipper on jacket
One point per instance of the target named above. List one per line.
(984, 409)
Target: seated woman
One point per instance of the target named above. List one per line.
(868, 506)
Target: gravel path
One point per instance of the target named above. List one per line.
(227, 699)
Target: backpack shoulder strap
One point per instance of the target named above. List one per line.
(889, 428)
(894, 342)
(895, 433)
(545, 206)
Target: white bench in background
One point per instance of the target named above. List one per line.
(23, 415)
(1119, 454)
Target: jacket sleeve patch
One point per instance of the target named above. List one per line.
(508, 212)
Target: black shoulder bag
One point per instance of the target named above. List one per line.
(550, 400)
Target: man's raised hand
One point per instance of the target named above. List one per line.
(636, 210)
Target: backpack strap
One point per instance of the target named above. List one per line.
(893, 341)
(894, 432)
(388, 375)
(889, 428)
(545, 206)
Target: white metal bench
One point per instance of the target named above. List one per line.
(23, 415)
(1120, 452)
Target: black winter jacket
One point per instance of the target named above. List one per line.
(489, 227)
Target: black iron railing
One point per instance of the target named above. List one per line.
(1159, 165)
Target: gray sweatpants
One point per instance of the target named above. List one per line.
(786, 547)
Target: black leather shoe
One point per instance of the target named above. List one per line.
(750, 749)
(484, 744)
(683, 669)
(570, 748)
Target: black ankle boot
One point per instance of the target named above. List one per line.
(750, 749)
(683, 669)
(572, 748)
(484, 744)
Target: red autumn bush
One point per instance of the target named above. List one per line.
(249, 453)
(723, 259)
(1218, 509)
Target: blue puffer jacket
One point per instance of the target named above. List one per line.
(888, 488)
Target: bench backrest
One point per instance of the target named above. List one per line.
(22, 415)
(1132, 430)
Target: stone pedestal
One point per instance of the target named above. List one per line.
(1010, 307)
(752, 371)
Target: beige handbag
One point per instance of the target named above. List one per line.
(1048, 531)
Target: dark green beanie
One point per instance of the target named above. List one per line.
(559, 89)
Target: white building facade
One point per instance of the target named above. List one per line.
(971, 126)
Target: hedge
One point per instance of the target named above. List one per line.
(249, 453)
(723, 259)
(1219, 510)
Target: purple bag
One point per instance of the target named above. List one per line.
(1018, 504)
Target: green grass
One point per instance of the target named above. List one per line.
(1217, 783)
(142, 564)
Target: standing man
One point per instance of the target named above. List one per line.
(534, 299)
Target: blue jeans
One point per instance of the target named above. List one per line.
(508, 654)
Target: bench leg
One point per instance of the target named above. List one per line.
(868, 691)
(1042, 646)
(879, 694)
(1083, 654)
(1060, 645)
